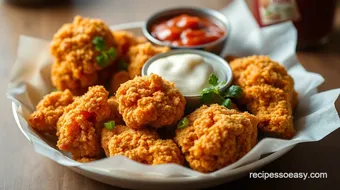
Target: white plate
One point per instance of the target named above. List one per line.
(134, 181)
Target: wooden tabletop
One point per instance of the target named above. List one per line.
(22, 168)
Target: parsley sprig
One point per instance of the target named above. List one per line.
(213, 94)
(105, 54)
(183, 123)
(110, 125)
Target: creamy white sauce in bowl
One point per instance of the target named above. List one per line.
(189, 70)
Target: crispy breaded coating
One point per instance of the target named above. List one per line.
(75, 65)
(139, 54)
(115, 115)
(150, 100)
(216, 137)
(259, 70)
(264, 83)
(48, 111)
(144, 146)
(106, 136)
(74, 41)
(125, 40)
(76, 128)
(63, 78)
(118, 79)
(270, 106)
(86, 159)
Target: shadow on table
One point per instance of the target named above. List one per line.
(332, 46)
(40, 4)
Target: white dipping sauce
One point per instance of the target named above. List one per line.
(189, 72)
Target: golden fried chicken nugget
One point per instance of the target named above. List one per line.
(107, 134)
(75, 54)
(74, 40)
(115, 115)
(271, 108)
(144, 146)
(125, 40)
(216, 137)
(139, 54)
(86, 159)
(150, 100)
(76, 128)
(48, 111)
(118, 79)
(267, 87)
(63, 78)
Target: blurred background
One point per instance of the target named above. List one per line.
(318, 23)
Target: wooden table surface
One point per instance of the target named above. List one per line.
(22, 168)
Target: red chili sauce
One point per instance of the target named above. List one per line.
(186, 30)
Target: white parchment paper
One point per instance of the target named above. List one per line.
(315, 115)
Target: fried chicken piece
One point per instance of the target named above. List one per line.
(216, 137)
(144, 146)
(150, 100)
(118, 79)
(268, 93)
(75, 65)
(86, 159)
(107, 134)
(139, 54)
(115, 115)
(48, 111)
(125, 40)
(259, 70)
(270, 106)
(74, 40)
(77, 130)
(63, 78)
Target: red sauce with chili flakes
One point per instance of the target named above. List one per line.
(185, 30)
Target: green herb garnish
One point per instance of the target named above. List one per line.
(227, 103)
(105, 55)
(213, 80)
(110, 125)
(234, 91)
(183, 123)
(207, 95)
(99, 43)
(111, 53)
(102, 60)
(212, 94)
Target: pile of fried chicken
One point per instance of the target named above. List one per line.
(139, 109)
